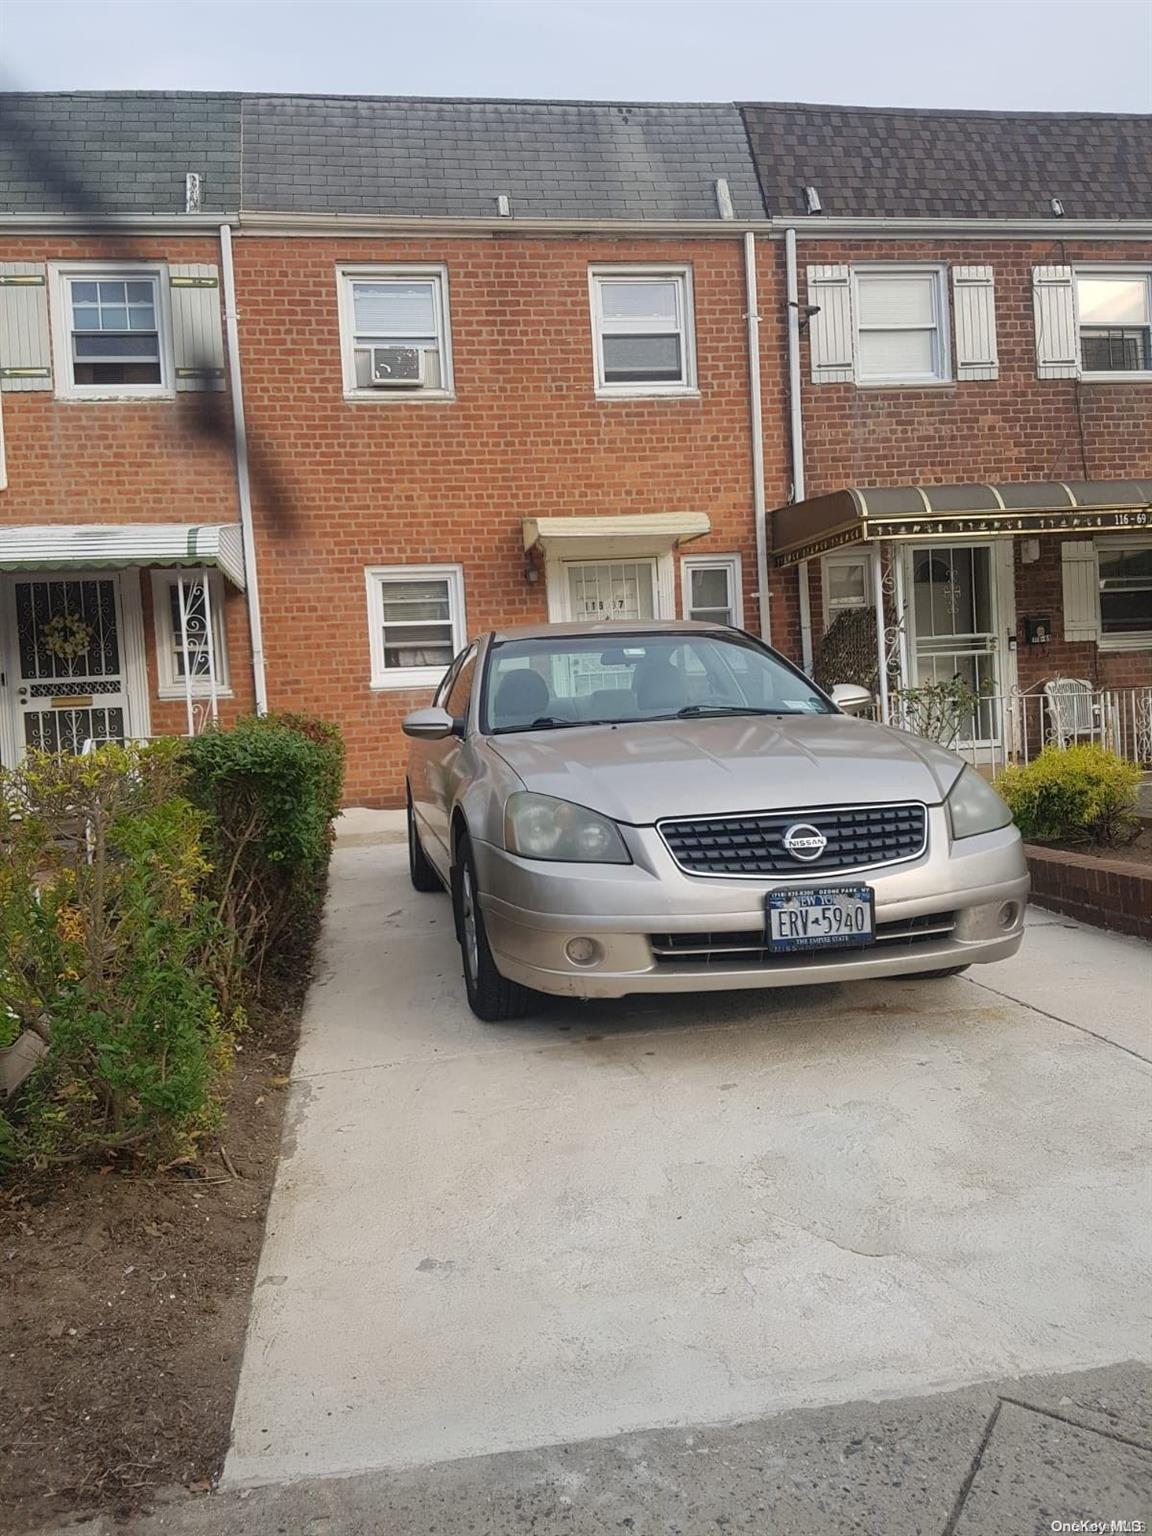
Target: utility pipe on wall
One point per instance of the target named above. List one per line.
(756, 414)
(243, 479)
(796, 418)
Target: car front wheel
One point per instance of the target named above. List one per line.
(491, 997)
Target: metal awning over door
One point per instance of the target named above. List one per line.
(116, 546)
(857, 515)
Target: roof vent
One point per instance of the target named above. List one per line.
(724, 198)
(503, 206)
(812, 203)
(1057, 207)
(192, 192)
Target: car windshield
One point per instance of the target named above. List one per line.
(550, 682)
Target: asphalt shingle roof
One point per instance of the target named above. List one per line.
(896, 163)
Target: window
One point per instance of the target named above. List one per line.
(1125, 594)
(846, 584)
(712, 589)
(1115, 319)
(111, 333)
(901, 337)
(416, 623)
(395, 334)
(642, 331)
(175, 660)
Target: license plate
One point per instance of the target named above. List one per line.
(828, 917)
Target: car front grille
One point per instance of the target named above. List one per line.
(749, 946)
(858, 837)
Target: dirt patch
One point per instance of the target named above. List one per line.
(124, 1301)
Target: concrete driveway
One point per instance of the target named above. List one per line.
(621, 1216)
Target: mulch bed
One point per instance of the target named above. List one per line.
(123, 1303)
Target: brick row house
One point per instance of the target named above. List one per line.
(300, 392)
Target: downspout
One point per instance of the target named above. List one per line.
(243, 479)
(796, 418)
(756, 414)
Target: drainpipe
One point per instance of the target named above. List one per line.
(243, 479)
(756, 413)
(796, 417)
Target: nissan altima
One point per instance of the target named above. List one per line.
(668, 807)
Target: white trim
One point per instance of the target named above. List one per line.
(1111, 269)
(346, 275)
(732, 565)
(168, 684)
(681, 274)
(942, 353)
(60, 311)
(375, 576)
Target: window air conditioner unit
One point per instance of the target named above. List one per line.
(396, 366)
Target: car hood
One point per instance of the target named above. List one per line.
(642, 771)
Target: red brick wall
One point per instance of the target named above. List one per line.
(1109, 893)
(1016, 427)
(377, 484)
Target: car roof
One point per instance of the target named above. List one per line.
(608, 627)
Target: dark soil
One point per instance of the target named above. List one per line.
(123, 1304)
(1139, 851)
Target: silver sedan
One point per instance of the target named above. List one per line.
(669, 807)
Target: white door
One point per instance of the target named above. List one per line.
(956, 623)
(611, 589)
(65, 671)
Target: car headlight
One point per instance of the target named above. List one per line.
(974, 806)
(542, 827)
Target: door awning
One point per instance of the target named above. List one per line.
(112, 546)
(857, 516)
(642, 532)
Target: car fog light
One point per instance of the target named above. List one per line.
(584, 951)
(1009, 912)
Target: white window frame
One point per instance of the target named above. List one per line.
(942, 374)
(1132, 640)
(375, 577)
(1109, 269)
(346, 275)
(733, 568)
(60, 309)
(639, 273)
(860, 557)
(169, 683)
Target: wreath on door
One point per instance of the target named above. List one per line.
(67, 636)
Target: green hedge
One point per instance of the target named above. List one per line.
(1079, 794)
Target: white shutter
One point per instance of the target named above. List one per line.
(25, 338)
(974, 313)
(830, 331)
(1057, 342)
(1081, 573)
(197, 336)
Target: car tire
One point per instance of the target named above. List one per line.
(421, 871)
(491, 997)
(950, 970)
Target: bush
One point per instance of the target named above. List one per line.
(1079, 794)
(106, 945)
(271, 787)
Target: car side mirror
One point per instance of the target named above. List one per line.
(852, 698)
(431, 724)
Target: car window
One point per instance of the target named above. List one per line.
(440, 697)
(456, 702)
(580, 680)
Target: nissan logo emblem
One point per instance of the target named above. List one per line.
(805, 842)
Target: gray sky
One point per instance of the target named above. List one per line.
(1057, 55)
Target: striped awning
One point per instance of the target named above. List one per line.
(113, 546)
(857, 515)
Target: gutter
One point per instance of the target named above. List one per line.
(816, 225)
(243, 477)
(796, 432)
(756, 419)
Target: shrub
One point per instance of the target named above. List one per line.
(271, 787)
(1073, 794)
(107, 942)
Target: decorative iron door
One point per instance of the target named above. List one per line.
(955, 627)
(70, 685)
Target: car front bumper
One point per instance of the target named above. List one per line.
(957, 904)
